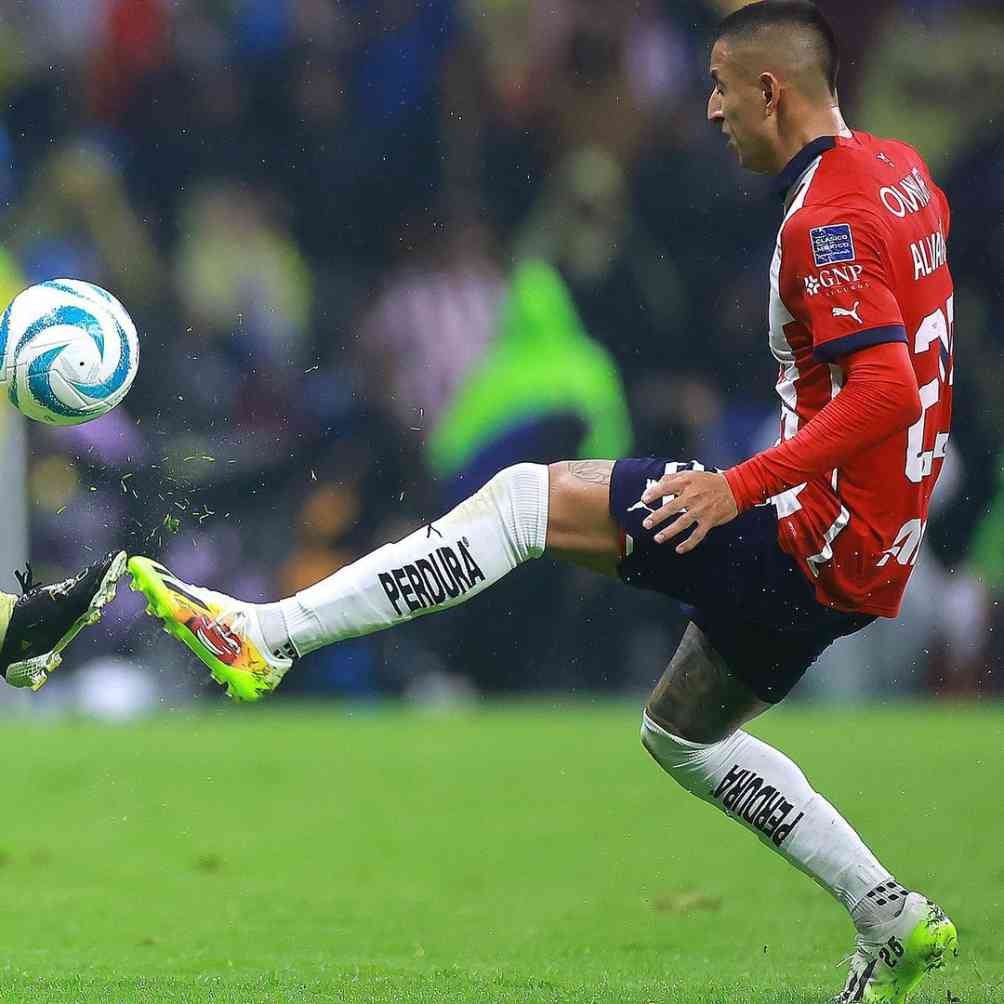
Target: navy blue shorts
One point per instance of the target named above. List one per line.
(754, 605)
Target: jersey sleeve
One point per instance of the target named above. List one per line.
(836, 280)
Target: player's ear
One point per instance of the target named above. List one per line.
(769, 90)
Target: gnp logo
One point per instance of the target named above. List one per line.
(830, 278)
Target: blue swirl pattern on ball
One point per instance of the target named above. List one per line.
(40, 385)
(105, 388)
(40, 368)
(76, 317)
(65, 287)
(66, 316)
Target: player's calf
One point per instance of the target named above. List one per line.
(764, 791)
(444, 563)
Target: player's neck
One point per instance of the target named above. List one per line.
(822, 122)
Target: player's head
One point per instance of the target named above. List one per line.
(772, 63)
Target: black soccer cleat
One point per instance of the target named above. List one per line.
(47, 618)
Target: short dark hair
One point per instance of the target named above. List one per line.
(749, 21)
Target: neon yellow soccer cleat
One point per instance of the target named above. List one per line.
(892, 959)
(221, 631)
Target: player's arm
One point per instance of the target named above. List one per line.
(855, 323)
(880, 398)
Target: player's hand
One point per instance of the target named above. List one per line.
(701, 499)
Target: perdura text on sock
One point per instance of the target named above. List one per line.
(743, 793)
(428, 581)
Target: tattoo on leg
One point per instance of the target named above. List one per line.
(697, 697)
(596, 472)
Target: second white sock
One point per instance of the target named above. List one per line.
(761, 788)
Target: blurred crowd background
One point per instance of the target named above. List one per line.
(378, 251)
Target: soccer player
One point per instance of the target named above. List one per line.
(779, 556)
(36, 626)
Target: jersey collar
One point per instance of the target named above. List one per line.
(796, 167)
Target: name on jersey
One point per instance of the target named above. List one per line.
(929, 254)
(908, 195)
(744, 794)
(831, 244)
(830, 278)
(430, 580)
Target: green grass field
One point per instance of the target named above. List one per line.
(528, 853)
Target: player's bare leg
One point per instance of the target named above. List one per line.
(691, 728)
(519, 513)
(697, 698)
(579, 526)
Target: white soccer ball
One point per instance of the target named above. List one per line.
(69, 352)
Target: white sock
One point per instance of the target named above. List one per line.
(763, 790)
(442, 564)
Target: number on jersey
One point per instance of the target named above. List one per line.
(935, 331)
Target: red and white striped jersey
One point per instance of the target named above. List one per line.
(860, 260)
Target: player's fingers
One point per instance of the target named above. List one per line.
(668, 484)
(674, 529)
(700, 532)
(660, 515)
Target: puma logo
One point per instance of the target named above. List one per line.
(853, 312)
(639, 505)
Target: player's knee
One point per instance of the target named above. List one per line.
(678, 720)
(680, 758)
(519, 493)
